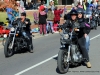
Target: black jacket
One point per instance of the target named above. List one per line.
(84, 27)
(27, 25)
(42, 17)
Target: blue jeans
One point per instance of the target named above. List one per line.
(10, 24)
(51, 25)
(87, 42)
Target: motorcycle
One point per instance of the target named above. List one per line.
(70, 52)
(98, 15)
(93, 22)
(15, 41)
(98, 18)
(91, 18)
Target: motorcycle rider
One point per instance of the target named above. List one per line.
(87, 28)
(92, 8)
(98, 12)
(81, 36)
(27, 34)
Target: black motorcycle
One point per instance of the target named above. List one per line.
(70, 52)
(16, 41)
(91, 18)
(98, 15)
(98, 19)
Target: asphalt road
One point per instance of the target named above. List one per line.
(44, 59)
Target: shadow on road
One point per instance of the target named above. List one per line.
(71, 66)
(21, 51)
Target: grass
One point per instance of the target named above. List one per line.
(30, 17)
(3, 16)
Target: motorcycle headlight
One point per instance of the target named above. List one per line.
(66, 36)
(96, 15)
(12, 29)
(87, 16)
(5, 35)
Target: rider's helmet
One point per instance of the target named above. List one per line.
(73, 12)
(23, 14)
(91, 5)
(80, 10)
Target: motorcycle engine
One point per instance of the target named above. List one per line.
(76, 55)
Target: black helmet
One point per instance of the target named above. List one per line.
(23, 14)
(80, 10)
(73, 12)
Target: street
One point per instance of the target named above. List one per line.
(44, 59)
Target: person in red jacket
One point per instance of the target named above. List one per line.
(57, 13)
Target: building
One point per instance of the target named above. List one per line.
(61, 2)
(65, 2)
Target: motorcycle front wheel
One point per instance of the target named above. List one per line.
(3, 41)
(7, 50)
(62, 63)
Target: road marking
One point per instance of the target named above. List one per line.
(44, 61)
(36, 65)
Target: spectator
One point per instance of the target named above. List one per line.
(79, 5)
(65, 10)
(52, 5)
(42, 21)
(15, 13)
(34, 5)
(61, 10)
(41, 7)
(95, 4)
(9, 14)
(30, 6)
(50, 18)
(57, 13)
(22, 3)
(87, 4)
(74, 7)
(84, 6)
(21, 9)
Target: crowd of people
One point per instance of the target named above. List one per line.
(49, 18)
(53, 14)
(14, 11)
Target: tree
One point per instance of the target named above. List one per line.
(55, 2)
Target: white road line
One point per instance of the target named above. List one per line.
(44, 61)
(36, 65)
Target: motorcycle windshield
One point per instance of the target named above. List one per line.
(88, 12)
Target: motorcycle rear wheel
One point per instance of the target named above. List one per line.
(62, 63)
